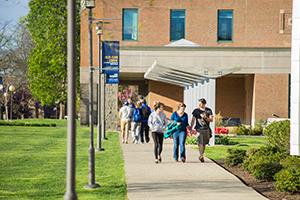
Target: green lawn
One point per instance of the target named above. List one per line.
(219, 152)
(32, 164)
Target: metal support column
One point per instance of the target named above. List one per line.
(71, 63)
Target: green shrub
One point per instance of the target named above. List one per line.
(247, 130)
(224, 140)
(257, 130)
(278, 135)
(263, 163)
(288, 179)
(17, 123)
(235, 157)
(243, 130)
(191, 140)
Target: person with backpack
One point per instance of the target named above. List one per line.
(125, 115)
(136, 123)
(157, 122)
(146, 111)
(179, 136)
(132, 107)
(202, 116)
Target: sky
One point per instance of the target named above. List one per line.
(12, 10)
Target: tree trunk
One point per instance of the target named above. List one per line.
(61, 110)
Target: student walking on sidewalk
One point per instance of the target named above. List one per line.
(146, 111)
(179, 136)
(157, 122)
(136, 123)
(202, 116)
(125, 115)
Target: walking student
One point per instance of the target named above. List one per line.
(179, 136)
(202, 116)
(146, 111)
(136, 123)
(125, 115)
(157, 122)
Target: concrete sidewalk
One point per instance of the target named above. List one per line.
(179, 181)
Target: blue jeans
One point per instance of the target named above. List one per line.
(179, 141)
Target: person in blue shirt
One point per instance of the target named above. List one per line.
(179, 136)
(146, 111)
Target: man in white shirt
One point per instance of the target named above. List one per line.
(125, 115)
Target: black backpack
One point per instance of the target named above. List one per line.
(145, 112)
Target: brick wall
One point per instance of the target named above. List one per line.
(256, 23)
(271, 96)
(230, 96)
(169, 95)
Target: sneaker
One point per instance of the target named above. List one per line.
(159, 159)
(156, 161)
(147, 140)
(183, 160)
(201, 158)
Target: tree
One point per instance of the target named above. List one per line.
(47, 24)
(14, 47)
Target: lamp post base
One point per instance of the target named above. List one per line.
(92, 186)
(70, 196)
(99, 149)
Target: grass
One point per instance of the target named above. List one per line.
(219, 152)
(32, 164)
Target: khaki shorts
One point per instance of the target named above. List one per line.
(203, 137)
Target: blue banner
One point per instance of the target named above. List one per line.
(110, 61)
(112, 77)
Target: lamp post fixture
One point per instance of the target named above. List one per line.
(12, 89)
(90, 4)
(5, 104)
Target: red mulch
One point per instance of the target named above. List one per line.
(265, 188)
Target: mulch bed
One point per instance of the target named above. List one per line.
(266, 188)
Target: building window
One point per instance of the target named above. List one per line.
(177, 25)
(130, 24)
(225, 25)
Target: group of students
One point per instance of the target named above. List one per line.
(140, 118)
(134, 119)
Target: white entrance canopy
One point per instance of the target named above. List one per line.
(184, 76)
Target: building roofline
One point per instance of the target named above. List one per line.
(164, 48)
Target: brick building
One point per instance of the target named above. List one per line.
(239, 48)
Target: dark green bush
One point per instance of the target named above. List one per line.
(235, 157)
(18, 123)
(220, 139)
(288, 179)
(278, 135)
(263, 163)
(243, 130)
(257, 130)
(248, 130)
